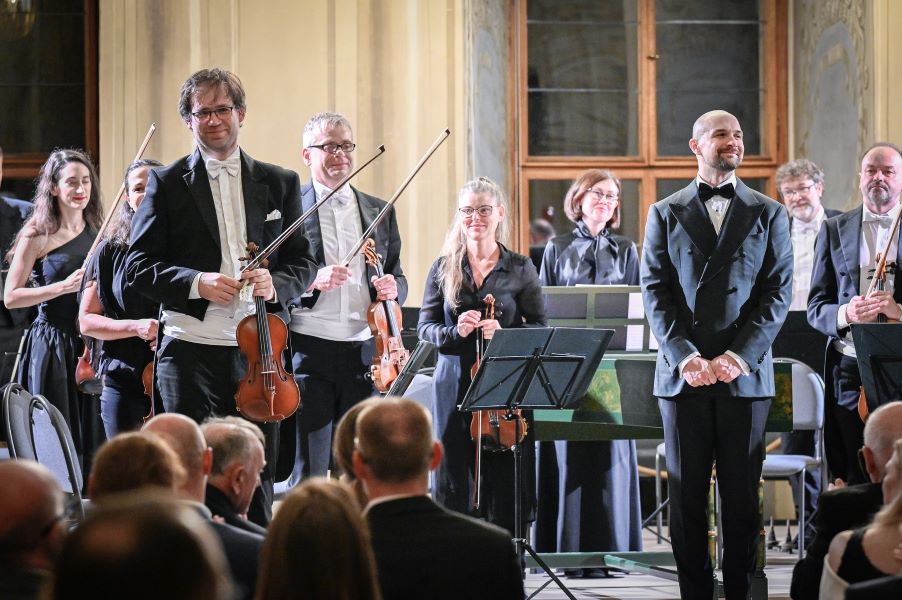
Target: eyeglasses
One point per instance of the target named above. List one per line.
(332, 148)
(799, 191)
(603, 197)
(221, 113)
(484, 210)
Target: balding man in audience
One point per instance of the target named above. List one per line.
(851, 506)
(242, 548)
(142, 546)
(31, 528)
(411, 534)
(237, 462)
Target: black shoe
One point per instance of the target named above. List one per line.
(573, 573)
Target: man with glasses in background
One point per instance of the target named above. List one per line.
(188, 237)
(331, 341)
(801, 185)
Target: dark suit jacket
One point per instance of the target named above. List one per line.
(885, 588)
(220, 506)
(388, 240)
(838, 510)
(175, 233)
(710, 293)
(13, 213)
(835, 280)
(425, 551)
(241, 549)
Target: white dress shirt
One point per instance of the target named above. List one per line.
(339, 314)
(220, 321)
(803, 237)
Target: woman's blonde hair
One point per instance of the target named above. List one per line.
(455, 247)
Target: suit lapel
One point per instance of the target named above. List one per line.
(692, 216)
(742, 216)
(850, 242)
(255, 192)
(199, 185)
(311, 225)
(368, 211)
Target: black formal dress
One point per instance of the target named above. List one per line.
(123, 403)
(594, 486)
(518, 300)
(710, 292)
(53, 346)
(838, 510)
(854, 565)
(425, 551)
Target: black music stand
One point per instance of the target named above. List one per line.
(879, 350)
(535, 368)
(417, 358)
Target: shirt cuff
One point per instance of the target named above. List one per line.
(742, 364)
(685, 361)
(841, 321)
(194, 294)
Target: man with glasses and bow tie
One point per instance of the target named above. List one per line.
(716, 281)
(331, 341)
(188, 237)
(845, 257)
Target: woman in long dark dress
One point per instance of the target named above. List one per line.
(46, 270)
(597, 491)
(475, 263)
(112, 311)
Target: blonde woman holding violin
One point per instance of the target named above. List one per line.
(474, 263)
(125, 320)
(46, 270)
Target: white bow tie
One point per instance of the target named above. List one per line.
(231, 164)
(342, 196)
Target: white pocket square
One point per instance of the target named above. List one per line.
(274, 215)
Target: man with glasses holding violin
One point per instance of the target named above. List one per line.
(330, 338)
(188, 238)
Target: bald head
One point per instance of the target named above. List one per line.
(31, 503)
(883, 428)
(708, 121)
(185, 438)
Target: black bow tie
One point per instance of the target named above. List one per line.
(706, 192)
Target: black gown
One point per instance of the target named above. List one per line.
(53, 346)
(123, 403)
(589, 491)
(519, 303)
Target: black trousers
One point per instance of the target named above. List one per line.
(699, 431)
(332, 378)
(844, 430)
(200, 381)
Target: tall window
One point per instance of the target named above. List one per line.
(48, 83)
(617, 84)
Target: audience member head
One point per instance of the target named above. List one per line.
(131, 461)
(892, 478)
(717, 143)
(801, 185)
(343, 447)
(238, 458)
(318, 547)
(142, 545)
(395, 448)
(32, 527)
(594, 198)
(184, 437)
(880, 178)
(882, 429)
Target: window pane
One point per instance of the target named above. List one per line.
(42, 73)
(708, 59)
(546, 200)
(582, 78)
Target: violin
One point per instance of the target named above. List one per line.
(147, 382)
(494, 430)
(384, 319)
(267, 393)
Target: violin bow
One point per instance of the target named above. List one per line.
(274, 245)
(880, 269)
(369, 230)
(112, 211)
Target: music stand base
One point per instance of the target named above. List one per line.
(523, 545)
